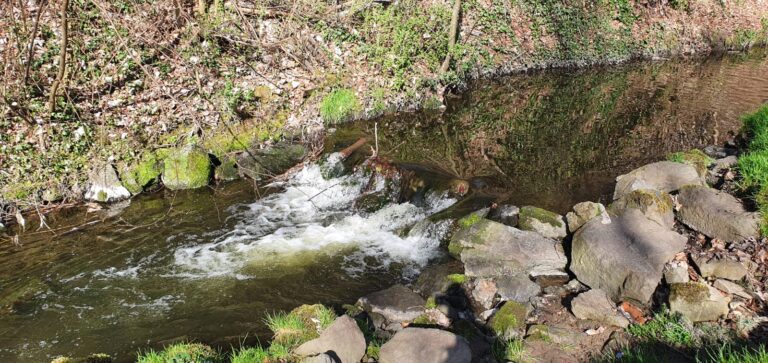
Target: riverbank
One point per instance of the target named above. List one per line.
(235, 75)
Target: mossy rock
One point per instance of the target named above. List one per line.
(227, 170)
(549, 224)
(694, 157)
(655, 205)
(141, 174)
(315, 317)
(509, 321)
(186, 168)
(539, 332)
(261, 164)
(691, 292)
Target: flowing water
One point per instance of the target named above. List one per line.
(206, 265)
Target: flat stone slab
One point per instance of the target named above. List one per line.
(716, 214)
(597, 306)
(698, 301)
(624, 258)
(396, 304)
(664, 176)
(419, 345)
(343, 338)
(720, 267)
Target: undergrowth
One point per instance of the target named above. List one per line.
(754, 164)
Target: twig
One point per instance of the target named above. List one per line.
(62, 58)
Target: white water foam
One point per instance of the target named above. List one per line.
(316, 214)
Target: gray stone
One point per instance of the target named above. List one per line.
(676, 272)
(717, 214)
(727, 162)
(732, 288)
(419, 345)
(545, 276)
(227, 171)
(104, 185)
(561, 336)
(655, 205)
(583, 213)
(490, 249)
(720, 267)
(483, 294)
(596, 305)
(396, 304)
(664, 176)
(320, 358)
(433, 280)
(505, 214)
(343, 337)
(625, 258)
(542, 221)
(698, 301)
(517, 288)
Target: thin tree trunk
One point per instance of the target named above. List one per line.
(32, 37)
(62, 58)
(453, 32)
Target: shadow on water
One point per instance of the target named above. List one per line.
(550, 139)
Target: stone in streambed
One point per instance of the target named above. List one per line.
(698, 301)
(624, 258)
(227, 170)
(420, 345)
(542, 221)
(583, 213)
(104, 185)
(186, 168)
(596, 305)
(342, 338)
(664, 176)
(717, 214)
(396, 304)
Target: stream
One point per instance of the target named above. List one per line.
(206, 265)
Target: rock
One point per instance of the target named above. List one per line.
(697, 301)
(725, 163)
(490, 249)
(517, 288)
(52, 193)
(695, 158)
(583, 213)
(435, 280)
(664, 176)
(545, 276)
(227, 170)
(186, 168)
(676, 272)
(433, 317)
(655, 205)
(506, 214)
(542, 221)
(560, 336)
(718, 152)
(596, 305)
(720, 267)
(624, 258)
(483, 294)
(396, 304)
(732, 288)
(717, 214)
(141, 174)
(104, 185)
(343, 338)
(275, 160)
(509, 321)
(420, 345)
(320, 358)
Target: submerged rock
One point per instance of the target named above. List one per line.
(625, 258)
(396, 304)
(342, 339)
(542, 221)
(227, 170)
(596, 305)
(720, 267)
(583, 213)
(104, 185)
(697, 301)
(420, 345)
(186, 168)
(664, 176)
(717, 214)
(275, 160)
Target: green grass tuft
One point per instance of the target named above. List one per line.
(665, 327)
(728, 354)
(340, 105)
(181, 353)
(754, 165)
(250, 355)
(288, 329)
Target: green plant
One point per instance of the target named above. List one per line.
(181, 353)
(665, 327)
(288, 329)
(457, 278)
(339, 106)
(509, 351)
(754, 165)
(726, 353)
(250, 355)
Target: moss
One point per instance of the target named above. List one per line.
(340, 105)
(227, 170)
(694, 157)
(692, 292)
(431, 303)
(470, 220)
(457, 278)
(424, 319)
(455, 248)
(644, 199)
(20, 191)
(539, 332)
(509, 319)
(186, 168)
(529, 213)
(141, 174)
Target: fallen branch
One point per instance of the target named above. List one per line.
(349, 150)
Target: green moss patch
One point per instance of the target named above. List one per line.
(509, 320)
(695, 157)
(186, 168)
(457, 278)
(340, 105)
(529, 213)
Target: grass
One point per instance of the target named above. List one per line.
(754, 164)
(288, 329)
(509, 351)
(666, 327)
(728, 354)
(181, 353)
(250, 355)
(340, 105)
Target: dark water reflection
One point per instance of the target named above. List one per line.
(550, 139)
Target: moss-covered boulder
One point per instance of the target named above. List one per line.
(141, 174)
(227, 170)
(509, 321)
(186, 168)
(275, 160)
(655, 205)
(697, 301)
(542, 221)
(583, 213)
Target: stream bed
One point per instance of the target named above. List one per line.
(206, 265)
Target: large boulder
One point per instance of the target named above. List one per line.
(491, 249)
(625, 258)
(717, 214)
(186, 168)
(104, 185)
(435, 280)
(419, 345)
(655, 205)
(546, 223)
(596, 305)
(698, 301)
(343, 338)
(396, 304)
(664, 176)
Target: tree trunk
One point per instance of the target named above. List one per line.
(453, 32)
(62, 58)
